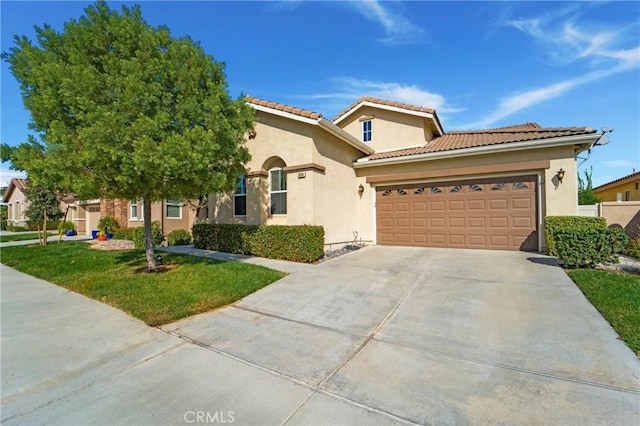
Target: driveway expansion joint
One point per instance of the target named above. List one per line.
(633, 391)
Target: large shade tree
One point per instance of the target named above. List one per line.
(123, 110)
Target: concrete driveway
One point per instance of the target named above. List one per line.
(380, 336)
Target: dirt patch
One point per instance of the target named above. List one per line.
(113, 245)
(159, 269)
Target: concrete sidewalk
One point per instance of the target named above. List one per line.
(67, 359)
(52, 240)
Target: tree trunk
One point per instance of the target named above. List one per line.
(151, 258)
(39, 239)
(44, 228)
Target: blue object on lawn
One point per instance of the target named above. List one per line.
(70, 233)
(94, 234)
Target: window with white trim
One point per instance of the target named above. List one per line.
(136, 210)
(366, 131)
(277, 191)
(240, 197)
(173, 208)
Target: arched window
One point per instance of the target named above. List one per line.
(277, 191)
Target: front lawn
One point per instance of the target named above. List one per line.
(617, 297)
(189, 286)
(23, 236)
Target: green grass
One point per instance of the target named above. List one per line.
(617, 297)
(21, 237)
(189, 286)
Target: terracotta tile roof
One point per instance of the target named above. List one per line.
(20, 184)
(477, 138)
(286, 108)
(382, 102)
(632, 175)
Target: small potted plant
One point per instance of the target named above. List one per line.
(102, 236)
(68, 228)
(107, 225)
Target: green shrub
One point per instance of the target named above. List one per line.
(157, 237)
(108, 224)
(555, 223)
(179, 237)
(124, 234)
(3, 225)
(589, 246)
(52, 225)
(12, 228)
(303, 243)
(66, 226)
(633, 246)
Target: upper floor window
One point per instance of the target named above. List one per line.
(277, 191)
(366, 131)
(240, 197)
(173, 209)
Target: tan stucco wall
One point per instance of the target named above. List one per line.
(625, 214)
(17, 197)
(319, 197)
(611, 193)
(158, 214)
(390, 130)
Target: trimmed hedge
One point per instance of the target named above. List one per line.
(555, 223)
(589, 246)
(179, 237)
(301, 243)
(52, 225)
(136, 234)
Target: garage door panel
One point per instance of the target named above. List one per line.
(494, 213)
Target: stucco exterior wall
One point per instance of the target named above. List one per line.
(625, 214)
(158, 214)
(17, 204)
(611, 193)
(390, 130)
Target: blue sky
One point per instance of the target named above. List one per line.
(479, 64)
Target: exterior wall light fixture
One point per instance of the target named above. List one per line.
(560, 175)
(360, 190)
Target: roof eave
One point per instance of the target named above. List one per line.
(432, 116)
(320, 122)
(487, 149)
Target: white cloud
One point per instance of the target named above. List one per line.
(619, 164)
(565, 43)
(6, 175)
(348, 89)
(398, 29)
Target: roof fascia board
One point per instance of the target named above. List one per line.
(490, 149)
(394, 109)
(284, 114)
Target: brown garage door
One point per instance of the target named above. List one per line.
(495, 213)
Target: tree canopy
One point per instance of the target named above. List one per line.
(586, 196)
(123, 110)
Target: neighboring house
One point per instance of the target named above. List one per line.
(16, 200)
(626, 188)
(389, 173)
(171, 214)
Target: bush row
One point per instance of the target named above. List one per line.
(301, 243)
(589, 246)
(136, 235)
(555, 223)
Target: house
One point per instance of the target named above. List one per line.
(171, 214)
(626, 188)
(15, 198)
(387, 172)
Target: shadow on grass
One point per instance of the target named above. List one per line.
(138, 258)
